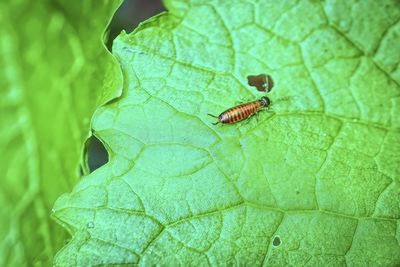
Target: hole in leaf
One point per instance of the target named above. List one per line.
(262, 82)
(277, 241)
(96, 154)
(90, 225)
(130, 14)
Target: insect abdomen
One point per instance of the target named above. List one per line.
(240, 112)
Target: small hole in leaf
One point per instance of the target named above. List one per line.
(277, 241)
(262, 82)
(90, 225)
(96, 153)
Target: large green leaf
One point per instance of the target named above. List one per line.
(53, 62)
(314, 181)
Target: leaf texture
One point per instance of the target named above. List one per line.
(313, 181)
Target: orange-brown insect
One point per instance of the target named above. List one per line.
(242, 111)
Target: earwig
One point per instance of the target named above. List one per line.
(242, 111)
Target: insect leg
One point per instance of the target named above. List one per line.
(215, 123)
(242, 100)
(245, 121)
(267, 108)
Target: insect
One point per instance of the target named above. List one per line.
(242, 111)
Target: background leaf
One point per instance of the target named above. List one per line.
(53, 63)
(315, 181)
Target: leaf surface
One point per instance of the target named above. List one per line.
(313, 181)
(53, 63)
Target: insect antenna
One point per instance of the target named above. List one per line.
(278, 101)
(286, 98)
(283, 99)
(215, 123)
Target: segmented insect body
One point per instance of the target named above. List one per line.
(242, 111)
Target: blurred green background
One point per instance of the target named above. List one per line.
(52, 65)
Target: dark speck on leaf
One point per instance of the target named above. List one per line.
(262, 82)
(277, 241)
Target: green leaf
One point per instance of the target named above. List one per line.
(53, 61)
(313, 181)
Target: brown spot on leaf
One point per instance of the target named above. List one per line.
(263, 82)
